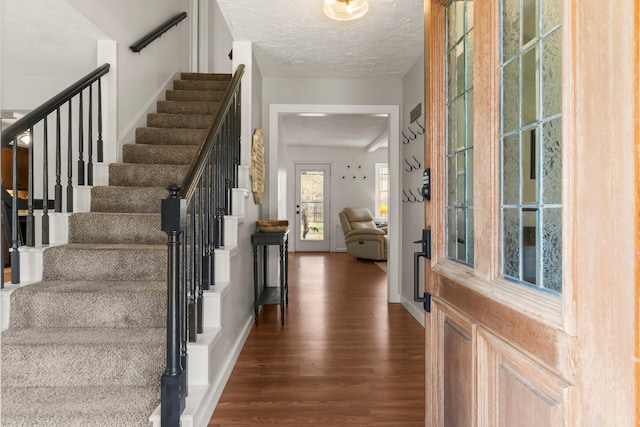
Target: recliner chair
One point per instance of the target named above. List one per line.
(363, 238)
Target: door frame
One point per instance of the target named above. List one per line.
(277, 175)
(325, 244)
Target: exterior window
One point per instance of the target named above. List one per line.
(531, 143)
(459, 163)
(382, 191)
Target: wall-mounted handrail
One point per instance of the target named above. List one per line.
(157, 32)
(39, 119)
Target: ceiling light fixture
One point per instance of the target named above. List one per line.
(345, 10)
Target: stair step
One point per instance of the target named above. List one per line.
(180, 121)
(206, 85)
(206, 76)
(194, 95)
(136, 174)
(82, 357)
(127, 199)
(89, 304)
(109, 227)
(109, 406)
(187, 107)
(159, 154)
(82, 261)
(167, 136)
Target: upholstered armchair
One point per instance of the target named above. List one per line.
(363, 238)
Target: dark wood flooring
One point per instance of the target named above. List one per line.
(343, 358)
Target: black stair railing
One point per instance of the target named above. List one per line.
(193, 218)
(35, 126)
(157, 32)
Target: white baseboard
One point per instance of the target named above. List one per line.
(417, 313)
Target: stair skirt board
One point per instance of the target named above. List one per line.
(203, 399)
(97, 295)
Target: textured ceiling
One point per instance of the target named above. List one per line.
(295, 38)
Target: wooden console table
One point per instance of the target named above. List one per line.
(264, 294)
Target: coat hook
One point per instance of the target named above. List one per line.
(415, 199)
(410, 166)
(421, 131)
(405, 137)
(420, 194)
(405, 196)
(414, 134)
(417, 161)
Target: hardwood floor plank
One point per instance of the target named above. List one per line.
(343, 358)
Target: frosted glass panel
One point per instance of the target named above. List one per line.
(511, 96)
(552, 74)
(469, 176)
(529, 164)
(552, 249)
(552, 162)
(530, 86)
(551, 12)
(459, 70)
(511, 243)
(531, 142)
(511, 170)
(451, 179)
(452, 234)
(451, 128)
(510, 29)
(529, 21)
(469, 50)
(470, 236)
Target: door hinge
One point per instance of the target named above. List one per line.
(427, 302)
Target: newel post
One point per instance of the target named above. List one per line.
(173, 383)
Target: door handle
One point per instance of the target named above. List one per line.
(426, 253)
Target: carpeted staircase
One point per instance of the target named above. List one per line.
(86, 346)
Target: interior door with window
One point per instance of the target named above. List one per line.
(511, 337)
(313, 209)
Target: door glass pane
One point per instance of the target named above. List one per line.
(459, 110)
(531, 143)
(312, 205)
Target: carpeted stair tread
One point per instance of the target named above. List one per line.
(111, 227)
(187, 107)
(206, 76)
(110, 356)
(90, 304)
(159, 154)
(195, 95)
(107, 406)
(140, 175)
(127, 199)
(206, 85)
(179, 121)
(83, 261)
(168, 136)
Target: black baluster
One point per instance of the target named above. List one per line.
(90, 139)
(31, 227)
(45, 184)
(100, 143)
(191, 234)
(200, 258)
(57, 198)
(15, 225)
(70, 162)
(80, 141)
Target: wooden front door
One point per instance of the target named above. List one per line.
(532, 110)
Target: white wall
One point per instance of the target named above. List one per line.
(46, 46)
(412, 213)
(141, 76)
(220, 41)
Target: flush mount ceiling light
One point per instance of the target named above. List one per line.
(345, 10)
